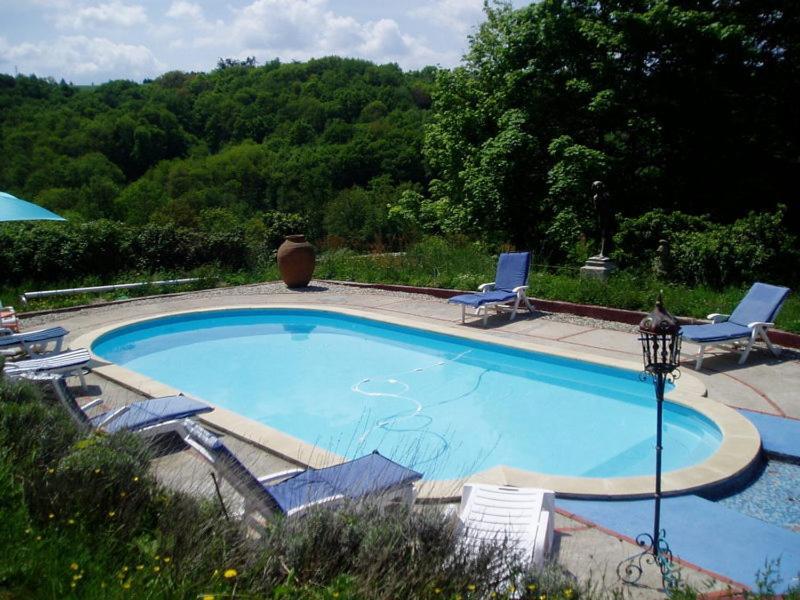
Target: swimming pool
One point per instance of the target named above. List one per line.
(444, 404)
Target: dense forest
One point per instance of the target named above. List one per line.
(310, 139)
(686, 109)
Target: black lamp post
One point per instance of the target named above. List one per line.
(660, 335)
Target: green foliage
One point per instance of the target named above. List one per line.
(758, 247)
(674, 105)
(243, 137)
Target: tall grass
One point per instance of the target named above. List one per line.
(436, 262)
(455, 264)
(82, 517)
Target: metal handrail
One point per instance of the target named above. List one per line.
(102, 288)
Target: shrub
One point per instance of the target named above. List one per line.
(64, 252)
(103, 480)
(757, 247)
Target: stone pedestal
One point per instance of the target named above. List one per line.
(598, 267)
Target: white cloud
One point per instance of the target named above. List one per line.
(80, 58)
(186, 10)
(302, 29)
(111, 13)
(460, 15)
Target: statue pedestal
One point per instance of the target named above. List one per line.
(598, 267)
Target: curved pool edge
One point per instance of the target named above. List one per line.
(739, 449)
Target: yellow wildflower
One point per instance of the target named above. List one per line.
(72, 585)
(139, 567)
(96, 471)
(127, 585)
(112, 513)
(437, 591)
(568, 593)
(38, 538)
(156, 557)
(167, 559)
(125, 568)
(208, 597)
(29, 531)
(74, 566)
(122, 494)
(71, 521)
(230, 573)
(471, 587)
(543, 597)
(156, 569)
(51, 471)
(335, 594)
(51, 516)
(136, 478)
(531, 586)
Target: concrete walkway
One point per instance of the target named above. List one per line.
(764, 385)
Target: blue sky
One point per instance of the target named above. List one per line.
(91, 41)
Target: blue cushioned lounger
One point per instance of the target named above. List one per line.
(35, 342)
(511, 281)
(297, 490)
(148, 417)
(754, 315)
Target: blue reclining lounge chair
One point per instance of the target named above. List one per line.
(147, 417)
(509, 286)
(294, 491)
(754, 315)
(69, 363)
(35, 342)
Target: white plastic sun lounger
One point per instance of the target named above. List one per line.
(521, 518)
(69, 363)
(751, 320)
(35, 342)
(506, 292)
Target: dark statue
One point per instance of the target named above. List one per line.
(605, 217)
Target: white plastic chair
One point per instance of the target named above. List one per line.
(521, 518)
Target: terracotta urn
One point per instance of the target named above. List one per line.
(296, 261)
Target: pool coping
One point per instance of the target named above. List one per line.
(739, 449)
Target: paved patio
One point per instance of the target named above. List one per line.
(765, 384)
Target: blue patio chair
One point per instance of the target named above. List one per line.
(147, 417)
(508, 287)
(294, 491)
(35, 342)
(69, 363)
(751, 319)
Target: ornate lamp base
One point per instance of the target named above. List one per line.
(631, 569)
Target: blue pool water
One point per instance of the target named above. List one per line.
(442, 404)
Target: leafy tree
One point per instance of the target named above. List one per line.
(683, 105)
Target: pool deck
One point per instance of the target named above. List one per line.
(716, 549)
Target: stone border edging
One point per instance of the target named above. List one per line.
(592, 311)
